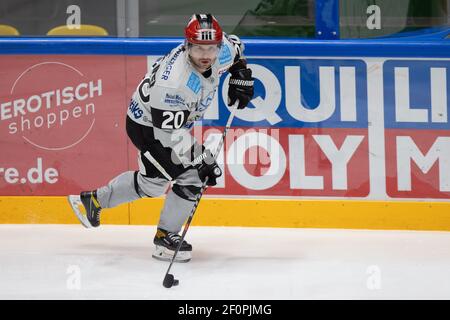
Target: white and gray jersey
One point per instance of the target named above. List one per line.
(173, 95)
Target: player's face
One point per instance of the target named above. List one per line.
(203, 56)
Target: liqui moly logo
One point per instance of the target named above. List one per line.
(385, 120)
(304, 133)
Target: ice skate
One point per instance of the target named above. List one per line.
(86, 208)
(166, 244)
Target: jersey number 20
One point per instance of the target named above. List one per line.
(168, 119)
(172, 120)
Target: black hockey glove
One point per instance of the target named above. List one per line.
(240, 84)
(207, 167)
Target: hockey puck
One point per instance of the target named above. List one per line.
(170, 281)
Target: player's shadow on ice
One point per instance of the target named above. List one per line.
(138, 251)
(202, 256)
(144, 252)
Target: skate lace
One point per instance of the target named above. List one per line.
(97, 216)
(174, 237)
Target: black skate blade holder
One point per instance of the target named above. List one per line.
(169, 280)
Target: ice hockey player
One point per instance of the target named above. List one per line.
(174, 93)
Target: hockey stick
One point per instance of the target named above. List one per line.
(169, 279)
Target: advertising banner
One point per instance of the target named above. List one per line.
(370, 128)
(62, 121)
(363, 128)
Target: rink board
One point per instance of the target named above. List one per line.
(247, 212)
(339, 134)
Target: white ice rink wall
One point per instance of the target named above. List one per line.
(339, 134)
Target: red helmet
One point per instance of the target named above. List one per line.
(203, 29)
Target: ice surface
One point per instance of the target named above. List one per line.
(114, 262)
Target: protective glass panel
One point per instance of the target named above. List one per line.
(139, 18)
(58, 17)
(376, 18)
(291, 18)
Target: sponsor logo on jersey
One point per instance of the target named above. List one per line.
(204, 103)
(194, 83)
(174, 100)
(224, 55)
(169, 67)
(135, 110)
